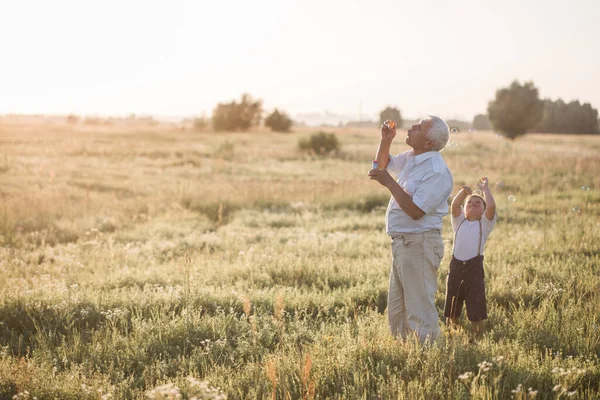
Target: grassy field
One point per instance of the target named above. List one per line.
(153, 262)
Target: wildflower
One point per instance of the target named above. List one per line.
(466, 376)
(168, 390)
(197, 384)
(518, 389)
(485, 366)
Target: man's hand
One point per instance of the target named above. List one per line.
(387, 133)
(483, 183)
(381, 176)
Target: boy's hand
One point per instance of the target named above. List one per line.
(483, 183)
(466, 189)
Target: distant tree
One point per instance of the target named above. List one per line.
(560, 117)
(278, 121)
(391, 113)
(93, 121)
(516, 109)
(482, 122)
(235, 116)
(149, 120)
(72, 119)
(361, 124)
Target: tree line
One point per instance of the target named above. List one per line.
(515, 110)
(242, 115)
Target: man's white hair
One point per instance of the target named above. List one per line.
(439, 133)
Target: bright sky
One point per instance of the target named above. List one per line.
(181, 57)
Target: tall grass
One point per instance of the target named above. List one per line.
(157, 264)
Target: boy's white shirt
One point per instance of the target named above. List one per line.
(467, 238)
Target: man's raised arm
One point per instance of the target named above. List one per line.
(383, 151)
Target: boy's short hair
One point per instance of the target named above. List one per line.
(479, 197)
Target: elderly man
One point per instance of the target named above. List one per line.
(414, 215)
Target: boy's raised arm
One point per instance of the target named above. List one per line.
(458, 200)
(489, 198)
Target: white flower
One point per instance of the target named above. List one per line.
(518, 389)
(485, 365)
(465, 376)
(168, 390)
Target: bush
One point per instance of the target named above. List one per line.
(225, 151)
(482, 122)
(200, 124)
(516, 109)
(72, 119)
(93, 121)
(278, 121)
(320, 143)
(237, 116)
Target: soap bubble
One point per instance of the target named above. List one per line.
(585, 188)
(512, 198)
(454, 130)
(500, 184)
(472, 130)
(452, 145)
(478, 192)
(576, 210)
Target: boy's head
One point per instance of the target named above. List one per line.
(474, 207)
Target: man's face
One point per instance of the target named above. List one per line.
(474, 208)
(417, 135)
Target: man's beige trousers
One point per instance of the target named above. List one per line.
(413, 283)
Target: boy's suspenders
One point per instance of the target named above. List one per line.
(456, 234)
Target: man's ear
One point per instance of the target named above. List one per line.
(429, 144)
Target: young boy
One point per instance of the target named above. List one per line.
(465, 279)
